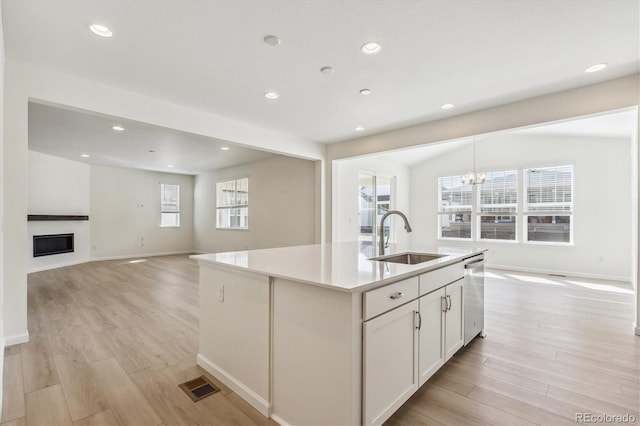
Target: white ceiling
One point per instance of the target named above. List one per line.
(68, 134)
(210, 54)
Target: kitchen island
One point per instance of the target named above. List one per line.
(321, 334)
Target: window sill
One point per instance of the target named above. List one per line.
(232, 229)
(548, 243)
(169, 226)
(488, 240)
(454, 239)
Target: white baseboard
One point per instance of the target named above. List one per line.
(57, 265)
(140, 255)
(279, 420)
(16, 339)
(259, 403)
(99, 259)
(566, 273)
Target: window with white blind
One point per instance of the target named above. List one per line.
(498, 206)
(169, 205)
(455, 200)
(548, 206)
(232, 204)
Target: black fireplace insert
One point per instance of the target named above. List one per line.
(46, 245)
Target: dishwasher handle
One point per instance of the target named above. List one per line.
(474, 265)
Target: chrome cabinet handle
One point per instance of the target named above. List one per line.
(419, 326)
(444, 300)
(397, 295)
(448, 302)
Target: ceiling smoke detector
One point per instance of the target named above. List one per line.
(271, 40)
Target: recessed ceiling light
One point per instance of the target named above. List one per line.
(170, 166)
(85, 155)
(118, 128)
(447, 106)
(365, 91)
(359, 129)
(371, 48)
(271, 95)
(100, 30)
(271, 40)
(225, 148)
(327, 70)
(596, 67)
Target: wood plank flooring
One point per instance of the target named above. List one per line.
(111, 341)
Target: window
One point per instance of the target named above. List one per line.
(498, 205)
(542, 214)
(454, 207)
(549, 204)
(374, 200)
(232, 206)
(169, 205)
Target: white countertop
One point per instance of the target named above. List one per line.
(339, 266)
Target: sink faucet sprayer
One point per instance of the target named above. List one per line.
(407, 227)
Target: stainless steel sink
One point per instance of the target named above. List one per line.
(408, 258)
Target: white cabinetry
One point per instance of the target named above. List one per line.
(431, 340)
(454, 323)
(390, 356)
(441, 331)
(406, 345)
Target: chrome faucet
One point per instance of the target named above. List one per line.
(407, 227)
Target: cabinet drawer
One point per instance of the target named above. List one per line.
(388, 297)
(440, 277)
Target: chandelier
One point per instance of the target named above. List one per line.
(473, 178)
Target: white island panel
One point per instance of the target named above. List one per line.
(235, 332)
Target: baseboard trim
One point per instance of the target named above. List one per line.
(279, 420)
(16, 339)
(566, 273)
(100, 259)
(259, 403)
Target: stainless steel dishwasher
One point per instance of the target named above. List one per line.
(473, 295)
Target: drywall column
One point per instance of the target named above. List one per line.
(1, 206)
(15, 214)
(636, 209)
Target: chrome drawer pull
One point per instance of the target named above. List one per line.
(397, 295)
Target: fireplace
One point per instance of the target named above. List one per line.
(47, 245)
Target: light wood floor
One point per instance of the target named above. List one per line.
(110, 342)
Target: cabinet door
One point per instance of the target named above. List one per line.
(432, 314)
(454, 319)
(390, 362)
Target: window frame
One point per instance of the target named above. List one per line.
(165, 211)
(232, 206)
(479, 213)
(521, 213)
(442, 211)
(526, 213)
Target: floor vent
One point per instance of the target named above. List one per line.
(199, 388)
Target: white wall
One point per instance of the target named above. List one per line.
(345, 217)
(125, 213)
(282, 206)
(1, 206)
(58, 186)
(602, 184)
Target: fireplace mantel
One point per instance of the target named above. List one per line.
(54, 217)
